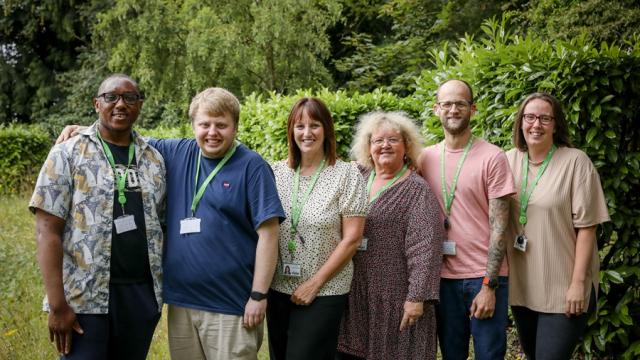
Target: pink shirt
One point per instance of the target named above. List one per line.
(485, 175)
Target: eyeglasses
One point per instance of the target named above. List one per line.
(460, 105)
(381, 141)
(130, 98)
(544, 119)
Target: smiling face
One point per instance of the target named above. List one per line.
(537, 135)
(214, 134)
(308, 134)
(455, 120)
(387, 148)
(117, 117)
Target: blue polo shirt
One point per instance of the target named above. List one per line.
(213, 270)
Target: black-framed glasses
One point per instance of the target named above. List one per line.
(460, 105)
(531, 118)
(130, 98)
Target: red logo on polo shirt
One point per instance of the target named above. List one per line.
(226, 184)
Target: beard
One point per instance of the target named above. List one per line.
(455, 126)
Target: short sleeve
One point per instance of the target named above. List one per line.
(166, 147)
(264, 201)
(499, 178)
(53, 188)
(588, 205)
(353, 199)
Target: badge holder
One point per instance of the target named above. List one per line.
(125, 223)
(521, 242)
(291, 269)
(189, 225)
(363, 244)
(449, 248)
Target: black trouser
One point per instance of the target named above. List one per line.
(304, 332)
(125, 332)
(545, 336)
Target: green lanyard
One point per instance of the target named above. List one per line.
(446, 196)
(524, 194)
(387, 185)
(296, 206)
(198, 195)
(120, 180)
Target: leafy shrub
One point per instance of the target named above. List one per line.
(600, 88)
(23, 149)
(263, 122)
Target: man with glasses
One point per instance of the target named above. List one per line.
(97, 204)
(472, 181)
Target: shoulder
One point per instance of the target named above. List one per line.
(281, 167)
(487, 148)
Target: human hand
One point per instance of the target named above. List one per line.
(68, 132)
(574, 300)
(306, 292)
(254, 313)
(61, 323)
(412, 312)
(484, 304)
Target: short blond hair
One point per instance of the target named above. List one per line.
(216, 102)
(395, 120)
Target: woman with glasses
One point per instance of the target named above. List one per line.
(553, 255)
(325, 202)
(390, 313)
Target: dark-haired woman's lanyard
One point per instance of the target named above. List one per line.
(125, 222)
(521, 240)
(192, 224)
(448, 246)
(298, 205)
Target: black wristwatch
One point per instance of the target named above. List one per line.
(257, 296)
(492, 283)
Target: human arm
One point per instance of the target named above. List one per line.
(68, 132)
(575, 298)
(62, 319)
(266, 258)
(484, 303)
(352, 229)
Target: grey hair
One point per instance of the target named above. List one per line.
(395, 120)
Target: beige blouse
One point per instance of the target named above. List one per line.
(339, 192)
(568, 196)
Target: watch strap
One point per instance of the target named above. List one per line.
(257, 296)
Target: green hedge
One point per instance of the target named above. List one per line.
(600, 88)
(263, 121)
(22, 152)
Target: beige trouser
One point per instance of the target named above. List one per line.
(198, 334)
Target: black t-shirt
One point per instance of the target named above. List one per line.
(129, 251)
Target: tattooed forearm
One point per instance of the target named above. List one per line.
(498, 220)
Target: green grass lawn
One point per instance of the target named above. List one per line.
(23, 325)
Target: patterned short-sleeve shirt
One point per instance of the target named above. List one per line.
(76, 183)
(339, 192)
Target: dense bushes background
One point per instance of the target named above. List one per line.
(599, 85)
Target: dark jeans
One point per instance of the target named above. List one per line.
(125, 332)
(545, 336)
(455, 324)
(304, 332)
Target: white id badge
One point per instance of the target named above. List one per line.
(125, 223)
(363, 244)
(189, 226)
(292, 270)
(448, 248)
(520, 242)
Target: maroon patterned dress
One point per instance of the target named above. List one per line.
(402, 263)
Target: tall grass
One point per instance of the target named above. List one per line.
(23, 325)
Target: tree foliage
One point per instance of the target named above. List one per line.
(600, 88)
(177, 48)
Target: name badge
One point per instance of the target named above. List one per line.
(125, 223)
(521, 243)
(363, 244)
(292, 270)
(189, 225)
(448, 248)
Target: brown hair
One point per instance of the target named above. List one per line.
(561, 131)
(318, 111)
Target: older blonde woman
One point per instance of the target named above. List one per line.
(390, 312)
